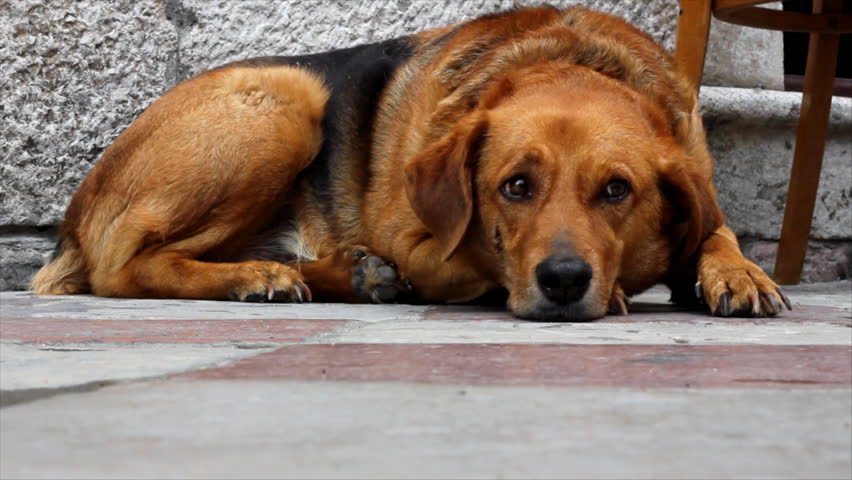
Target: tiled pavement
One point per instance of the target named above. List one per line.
(105, 388)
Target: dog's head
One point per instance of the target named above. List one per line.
(571, 185)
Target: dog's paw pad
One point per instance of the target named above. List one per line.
(377, 280)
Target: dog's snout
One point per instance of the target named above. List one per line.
(563, 279)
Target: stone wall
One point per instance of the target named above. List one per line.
(74, 74)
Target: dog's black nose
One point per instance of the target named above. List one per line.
(563, 279)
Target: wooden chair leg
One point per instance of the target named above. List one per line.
(807, 157)
(692, 29)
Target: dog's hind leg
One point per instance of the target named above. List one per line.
(191, 181)
(65, 274)
(174, 271)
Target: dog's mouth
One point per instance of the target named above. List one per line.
(559, 313)
(538, 307)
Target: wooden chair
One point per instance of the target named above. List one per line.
(825, 25)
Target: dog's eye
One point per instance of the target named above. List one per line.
(616, 190)
(516, 188)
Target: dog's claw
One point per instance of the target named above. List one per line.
(299, 292)
(770, 304)
(620, 306)
(302, 293)
(724, 308)
(778, 306)
(699, 291)
(784, 299)
(618, 302)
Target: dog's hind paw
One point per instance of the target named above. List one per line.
(377, 280)
(261, 282)
(740, 289)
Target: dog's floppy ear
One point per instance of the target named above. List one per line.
(693, 199)
(439, 182)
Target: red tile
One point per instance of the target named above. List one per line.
(645, 366)
(163, 331)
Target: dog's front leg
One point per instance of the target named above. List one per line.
(457, 279)
(730, 284)
(354, 275)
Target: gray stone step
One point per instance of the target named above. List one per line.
(751, 135)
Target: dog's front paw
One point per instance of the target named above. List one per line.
(739, 289)
(376, 280)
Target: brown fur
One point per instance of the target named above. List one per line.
(571, 99)
(182, 183)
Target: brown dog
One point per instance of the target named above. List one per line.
(556, 155)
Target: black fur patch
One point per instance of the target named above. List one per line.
(59, 248)
(356, 88)
(356, 78)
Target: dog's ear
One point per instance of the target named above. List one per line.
(693, 200)
(439, 182)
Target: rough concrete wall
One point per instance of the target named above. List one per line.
(74, 74)
(752, 134)
(22, 252)
(746, 57)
